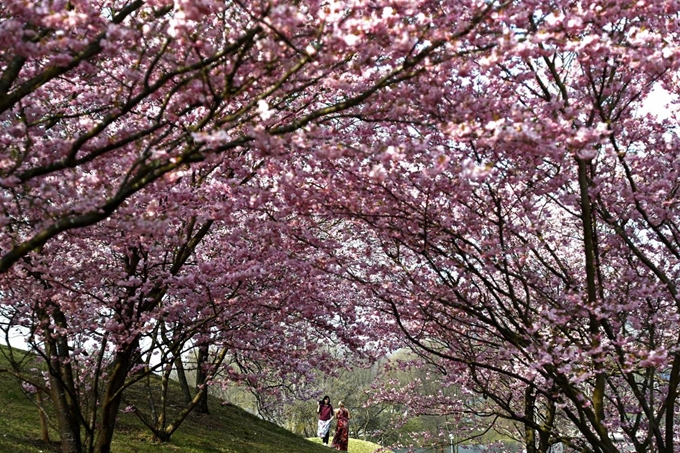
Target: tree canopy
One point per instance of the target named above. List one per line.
(266, 181)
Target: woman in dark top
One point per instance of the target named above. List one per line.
(325, 411)
(341, 438)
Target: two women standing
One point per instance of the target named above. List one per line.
(326, 415)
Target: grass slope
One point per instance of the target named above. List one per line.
(359, 446)
(227, 429)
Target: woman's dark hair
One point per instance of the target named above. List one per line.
(326, 397)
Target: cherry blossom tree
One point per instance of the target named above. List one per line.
(137, 304)
(481, 170)
(522, 230)
(102, 98)
(129, 130)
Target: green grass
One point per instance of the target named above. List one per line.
(19, 420)
(227, 429)
(357, 446)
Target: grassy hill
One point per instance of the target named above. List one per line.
(227, 429)
(358, 446)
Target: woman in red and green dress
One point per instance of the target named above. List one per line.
(341, 438)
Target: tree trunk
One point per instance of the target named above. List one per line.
(544, 433)
(673, 383)
(182, 378)
(62, 389)
(112, 398)
(69, 428)
(529, 431)
(43, 419)
(202, 406)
